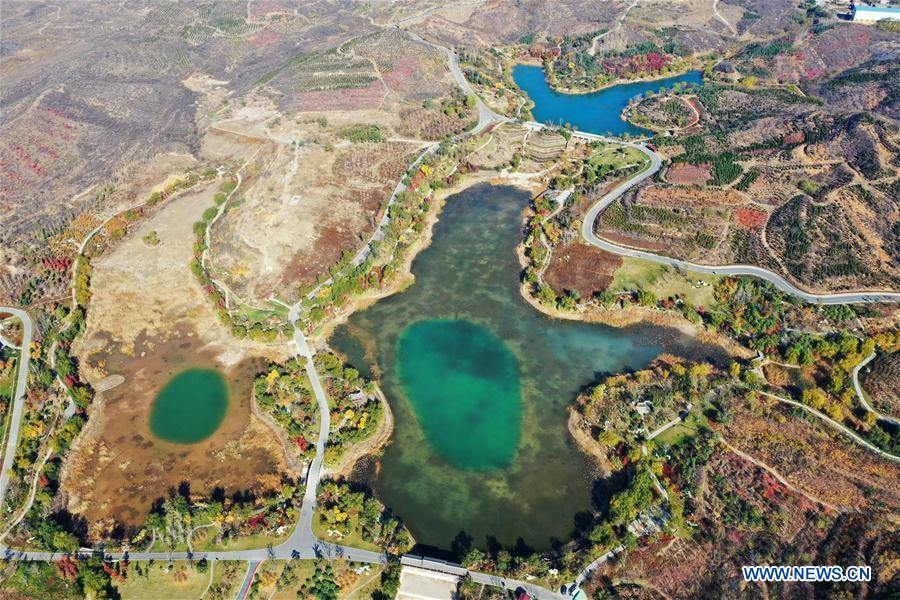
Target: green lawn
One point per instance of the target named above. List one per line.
(6, 385)
(663, 281)
(616, 156)
(353, 585)
(353, 539)
(678, 433)
(260, 315)
(247, 542)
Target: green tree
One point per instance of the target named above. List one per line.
(646, 298)
(63, 541)
(602, 535)
(606, 298)
(324, 586)
(474, 558)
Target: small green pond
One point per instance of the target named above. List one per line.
(190, 407)
(463, 383)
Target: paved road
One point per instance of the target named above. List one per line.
(485, 115)
(587, 230)
(665, 428)
(589, 570)
(18, 397)
(862, 397)
(252, 566)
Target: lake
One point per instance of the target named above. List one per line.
(190, 407)
(479, 383)
(597, 112)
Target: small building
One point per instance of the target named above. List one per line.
(862, 12)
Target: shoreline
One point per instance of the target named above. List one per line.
(405, 277)
(581, 91)
(586, 442)
(618, 318)
(368, 447)
(632, 315)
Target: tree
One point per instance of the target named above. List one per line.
(63, 541)
(570, 300)
(625, 505)
(324, 586)
(606, 298)
(471, 101)
(390, 582)
(814, 397)
(504, 561)
(546, 295)
(474, 558)
(94, 579)
(646, 298)
(602, 535)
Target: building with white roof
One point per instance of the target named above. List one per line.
(863, 12)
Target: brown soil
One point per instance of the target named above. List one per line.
(581, 267)
(308, 264)
(119, 468)
(148, 319)
(685, 174)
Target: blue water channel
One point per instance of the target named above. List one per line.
(597, 112)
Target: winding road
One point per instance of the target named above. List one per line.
(303, 543)
(862, 397)
(587, 231)
(18, 399)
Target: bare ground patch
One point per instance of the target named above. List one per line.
(147, 320)
(582, 268)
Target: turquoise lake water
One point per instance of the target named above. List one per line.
(597, 112)
(479, 383)
(190, 407)
(473, 417)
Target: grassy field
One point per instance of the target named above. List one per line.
(678, 433)
(352, 585)
(161, 581)
(352, 539)
(260, 315)
(616, 156)
(6, 385)
(663, 281)
(248, 542)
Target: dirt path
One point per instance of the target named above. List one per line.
(780, 479)
(212, 571)
(723, 19)
(616, 27)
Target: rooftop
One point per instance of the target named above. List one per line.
(884, 9)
